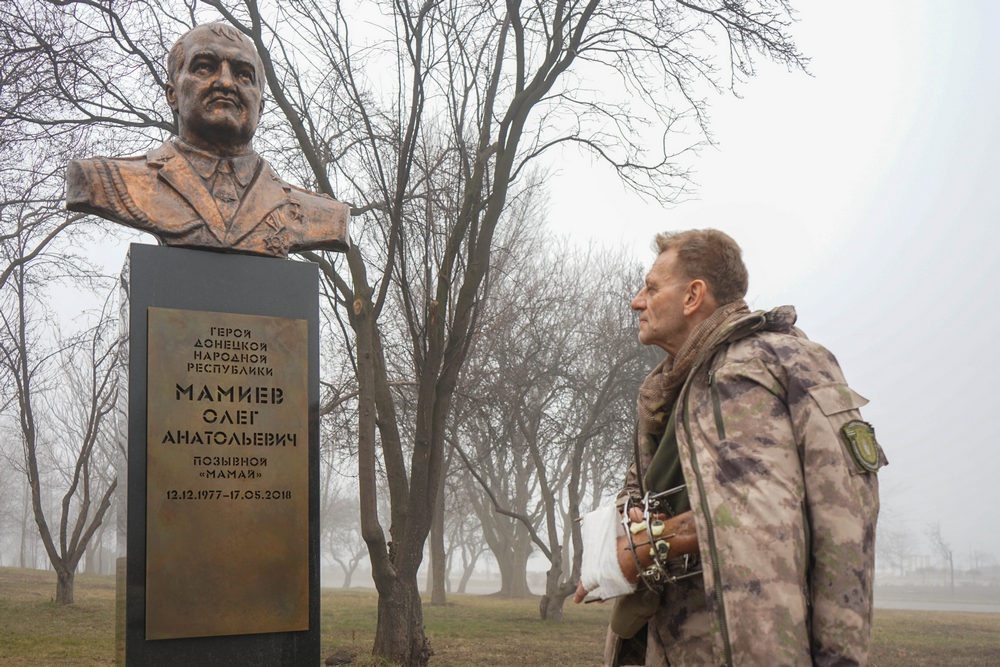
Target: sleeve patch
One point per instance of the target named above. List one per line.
(861, 443)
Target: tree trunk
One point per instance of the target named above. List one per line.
(438, 569)
(64, 586)
(550, 607)
(514, 567)
(514, 578)
(23, 551)
(951, 574)
(399, 635)
(94, 553)
(467, 573)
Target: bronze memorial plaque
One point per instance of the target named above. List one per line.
(227, 481)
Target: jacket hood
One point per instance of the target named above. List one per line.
(781, 320)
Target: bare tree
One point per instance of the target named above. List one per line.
(56, 411)
(428, 122)
(943, 549)
(10, 503)
(567, 363)
(339, 527)
(72, 427)
(894, 547)
(495, 459)
(508, 512)
(463, 532)
(79, 413)
(492, 78)
(343, 537)
(44, 86)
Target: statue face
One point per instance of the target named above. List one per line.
(216, 93)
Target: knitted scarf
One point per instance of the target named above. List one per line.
(661, 387)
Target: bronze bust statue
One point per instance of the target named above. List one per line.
(207, 188)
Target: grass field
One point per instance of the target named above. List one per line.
(469, 630)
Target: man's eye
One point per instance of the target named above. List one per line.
(202, 68)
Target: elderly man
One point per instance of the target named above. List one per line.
(759, 429)
(207, 188)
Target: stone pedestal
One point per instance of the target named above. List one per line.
(221, 565)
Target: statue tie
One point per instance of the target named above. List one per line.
(224, 191)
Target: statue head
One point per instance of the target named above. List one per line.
(215, 87)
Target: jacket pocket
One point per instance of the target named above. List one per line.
(836, 397)
(840, 405)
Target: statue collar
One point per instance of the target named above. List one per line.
(205, 164)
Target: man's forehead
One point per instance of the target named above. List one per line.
(663, 265)
(205, 40)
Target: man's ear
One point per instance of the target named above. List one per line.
(695, 296)
(171, 96)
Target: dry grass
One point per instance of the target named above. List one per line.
(34, 631)
(469, 630)
(481, 630)
(930, 639)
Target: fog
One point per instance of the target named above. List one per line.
(867, 195)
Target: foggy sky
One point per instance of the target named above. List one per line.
(867, 195)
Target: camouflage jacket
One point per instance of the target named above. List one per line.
(785, 501)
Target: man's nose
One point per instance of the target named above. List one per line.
(225, 78)
(638, 303)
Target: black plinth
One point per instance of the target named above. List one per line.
(174, 280)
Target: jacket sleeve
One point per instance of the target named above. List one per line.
(83, 190)
(841, 496)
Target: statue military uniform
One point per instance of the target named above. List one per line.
(179, 194)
